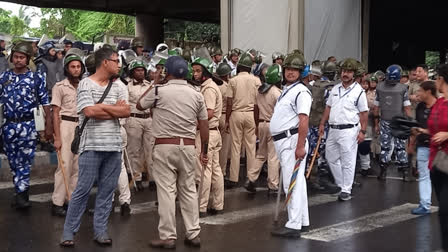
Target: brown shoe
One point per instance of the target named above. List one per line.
(166, 244)
(195, 242)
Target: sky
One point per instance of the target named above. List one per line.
(35, 21)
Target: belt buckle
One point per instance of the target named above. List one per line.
(288, 133)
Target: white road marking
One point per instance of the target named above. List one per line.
(364, 224)
(254, 212)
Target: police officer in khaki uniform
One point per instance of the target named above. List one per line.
(223, 71)
(138, 126)
(65, 121)
(213, 181)
(177, 108)
(266, 100)
(241, 99)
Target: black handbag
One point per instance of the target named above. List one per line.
(78, 131)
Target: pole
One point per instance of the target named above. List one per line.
(316, 151)
(128, 164)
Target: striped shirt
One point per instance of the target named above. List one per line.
(99, 135)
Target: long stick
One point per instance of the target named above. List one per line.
(61, 163)
(277, 203)
(316, 150)
(130, 169)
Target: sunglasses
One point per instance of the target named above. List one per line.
(114, 60)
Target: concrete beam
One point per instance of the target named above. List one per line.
(296, 38)
(225, 22)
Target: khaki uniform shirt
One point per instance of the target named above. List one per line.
(213, 101)
(414, 86)
(266, 102)
(243, 89)
(223, 89)
(135, 92)
(178, 108)
(64, 96)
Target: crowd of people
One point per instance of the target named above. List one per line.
(183, 119)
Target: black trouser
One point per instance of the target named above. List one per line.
(440, 183)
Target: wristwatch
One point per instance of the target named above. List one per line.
(363, 131)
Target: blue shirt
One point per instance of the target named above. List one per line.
(18, 93)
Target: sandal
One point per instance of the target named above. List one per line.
(103, 241)
(67, 243)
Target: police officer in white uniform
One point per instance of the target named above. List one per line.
(347, 113)
(289, 128)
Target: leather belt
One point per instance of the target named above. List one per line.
(263, 121)
(19, 120)
(69, 118)
(285, 135)
(343, 126)
(137, 115)
(215, 128)
(175, 141)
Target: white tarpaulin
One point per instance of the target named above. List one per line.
(332, 28)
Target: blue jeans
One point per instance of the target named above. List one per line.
(103, 167)
(424, 181)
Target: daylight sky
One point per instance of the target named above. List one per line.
(15, 11)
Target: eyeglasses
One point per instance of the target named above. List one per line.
(114, 60)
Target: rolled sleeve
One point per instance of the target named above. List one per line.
(210, 97)
(304, 102)
(362, 103)
(148, 100)
(42, 89)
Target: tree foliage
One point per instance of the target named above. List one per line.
(188, 30)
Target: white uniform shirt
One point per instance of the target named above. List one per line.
(294, 100)
(346, 104)
(233, 66)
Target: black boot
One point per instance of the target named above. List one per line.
(22, 201)
(125, 210)
(58, 211)
(383, 172)
(406, 174)
(250, 186)
(139, 186)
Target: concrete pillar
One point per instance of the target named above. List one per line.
(365, 19)
(296, 38)
(226, 24)
(150, 28)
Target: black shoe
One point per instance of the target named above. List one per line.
(203, 214)
(139, 185)
(230, 184)
(213, 211)
(195, 242)
(343, 196)
(305, 229)
(368, 172)
(250, 186)
(152, 186)
(48, 147)
(272, 191)
(125, 210)
(145, 176)
(286, 232)
(383, 172)
(22, 201)
(58, 211)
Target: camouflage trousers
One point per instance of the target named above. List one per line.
(313, 136)
(389, 143)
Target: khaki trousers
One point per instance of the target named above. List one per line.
(266, 151)
(123, 183)
(242, 130)
(174, 174)
(226, 139)
(213, 179)
(70, 161)
(140, 144)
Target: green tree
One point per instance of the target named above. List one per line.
(5, 21)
